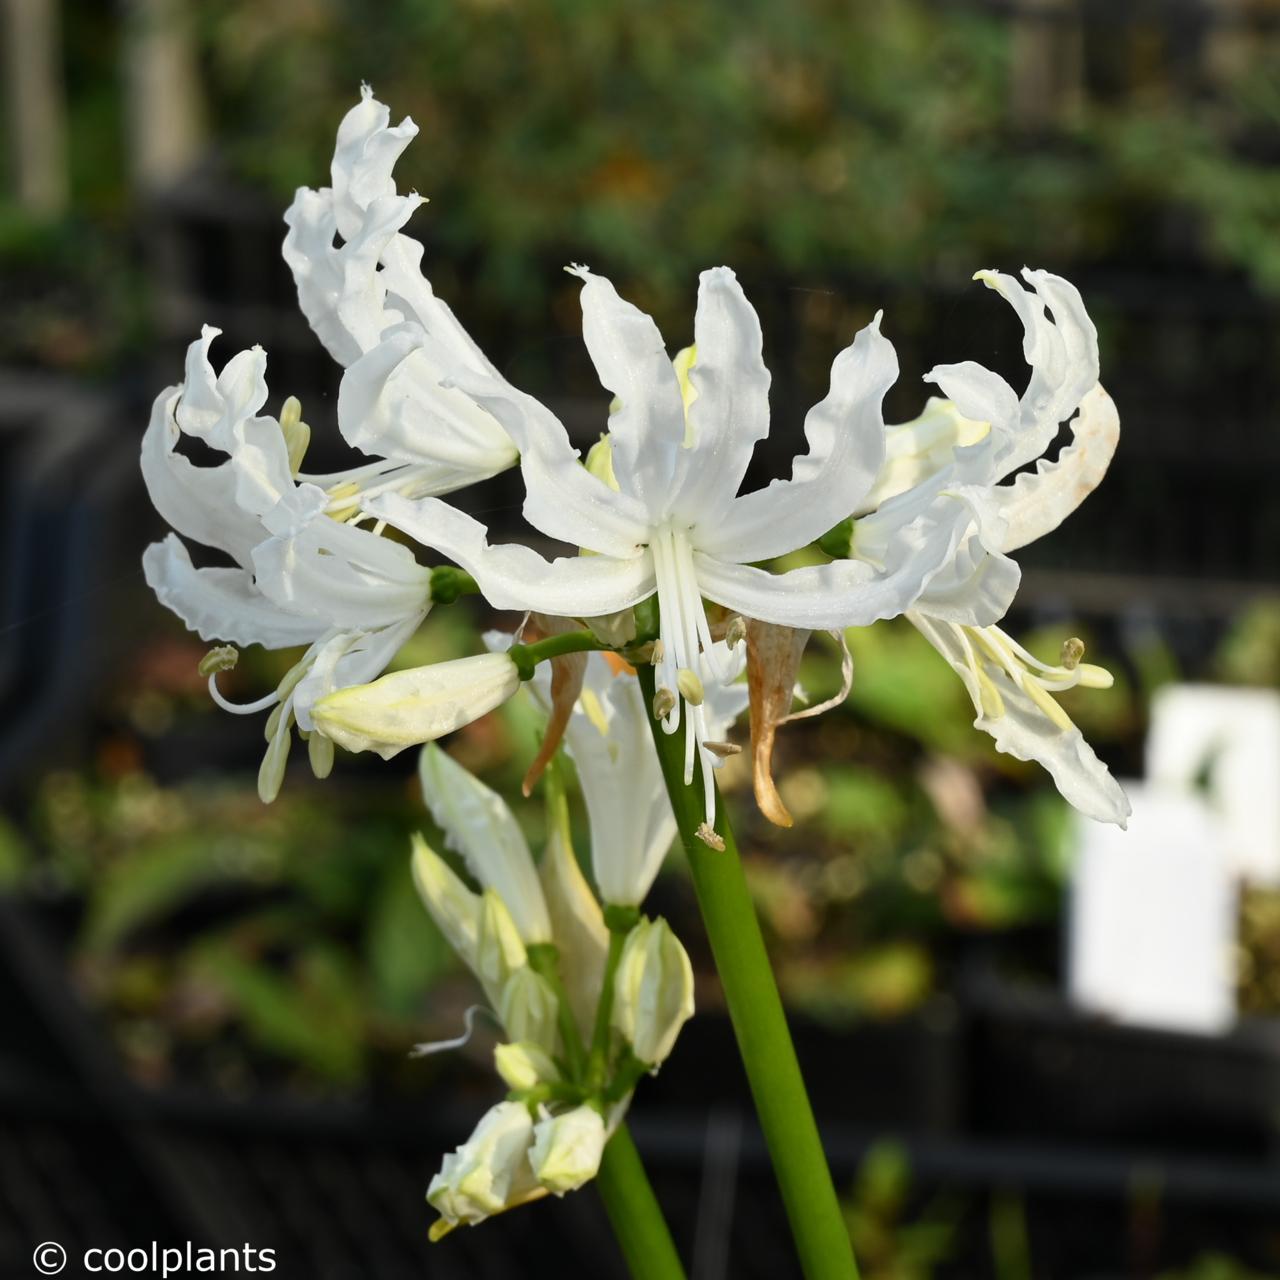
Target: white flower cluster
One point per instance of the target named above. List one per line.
(918, 519)
(673, 573)
(590, 996)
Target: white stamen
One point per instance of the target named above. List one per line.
(241, 708)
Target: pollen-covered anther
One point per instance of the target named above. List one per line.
(711, 837)
(664, 703)
(222, 658)
(690, 685)
(723, 749)
(1072, 652)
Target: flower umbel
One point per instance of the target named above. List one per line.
(558, 978)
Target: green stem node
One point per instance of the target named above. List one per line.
(527, 656)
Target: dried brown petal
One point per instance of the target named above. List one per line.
(773, 658)
(567, 674)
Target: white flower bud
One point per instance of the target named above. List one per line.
(524, 1065)
(567, 1149)
(406, 708)
(578, 925)
(499, 951)
(528, 1008)
(479, 825)
(477, 1179)
(454, 908)
(653, 990)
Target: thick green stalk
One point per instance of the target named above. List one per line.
(782, 1104)
(638, 1224)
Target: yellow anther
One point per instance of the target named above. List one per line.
(221, 658)
(711, 838)
(1072, 652)
(297, 435)
(664, 703)
(339, 508)
(690, 686)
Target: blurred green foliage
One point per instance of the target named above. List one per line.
(208, 918)
(656, 138)
(892, 1237)
(910, 140)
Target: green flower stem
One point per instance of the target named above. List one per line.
(527, 656)
(604, 1012)
(544, 959)
(638, 1224)
(786, 1117)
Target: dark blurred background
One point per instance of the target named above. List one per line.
(208, 1004)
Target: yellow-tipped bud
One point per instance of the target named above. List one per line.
(406, 708)
(523, 1065)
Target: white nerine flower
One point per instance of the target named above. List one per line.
(299, 578)
(632, 825)
(994, 433)
(675, 524)
(361, 287)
